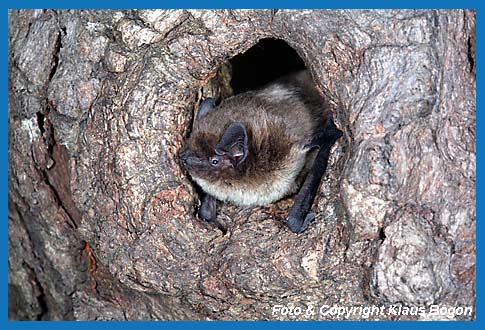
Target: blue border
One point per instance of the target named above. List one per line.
(243, 325)
(4, 173)
(241, 4)
(6, 4)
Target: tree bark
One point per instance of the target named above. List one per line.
(102, 218)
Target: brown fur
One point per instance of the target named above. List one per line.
(280, 120)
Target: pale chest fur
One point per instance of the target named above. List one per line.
(277, 184)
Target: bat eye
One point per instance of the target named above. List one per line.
(214, 161)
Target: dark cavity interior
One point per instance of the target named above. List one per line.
(266, 61)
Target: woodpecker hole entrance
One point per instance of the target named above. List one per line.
(266, 61)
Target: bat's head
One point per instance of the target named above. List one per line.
(210, 156)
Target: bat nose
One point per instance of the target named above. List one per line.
(189, 158)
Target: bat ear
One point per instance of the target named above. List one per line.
(205, 107)
(234, 143)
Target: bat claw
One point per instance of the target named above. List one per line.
(208, 208)
(206, 215)
(299, 225)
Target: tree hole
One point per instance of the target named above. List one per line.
(266, 61)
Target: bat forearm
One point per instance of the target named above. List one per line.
(298, 217)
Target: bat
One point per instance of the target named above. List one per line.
(257, 147)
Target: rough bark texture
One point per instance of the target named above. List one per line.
(101, 216)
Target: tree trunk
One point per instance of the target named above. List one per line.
(102, 218)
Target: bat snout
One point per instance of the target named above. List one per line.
(189, 158)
